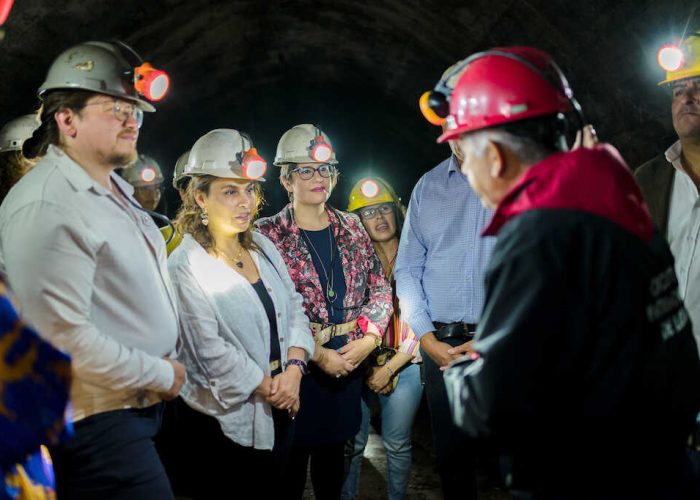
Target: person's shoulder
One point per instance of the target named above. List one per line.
(272, 224)
(652, 167)
(439, 171)
(263, 241)
(436, 177)
(180, 258)
(41, 184)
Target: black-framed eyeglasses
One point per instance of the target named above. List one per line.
(368, 213)
(305, 173)
(123, 111)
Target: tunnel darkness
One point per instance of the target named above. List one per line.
(355, 68)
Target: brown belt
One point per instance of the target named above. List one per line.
(323, 333)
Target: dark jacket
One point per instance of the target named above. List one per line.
(588, 372)
(655, 178)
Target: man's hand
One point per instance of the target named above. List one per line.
(590, 138)
(466, 348)
(178, 380)
(333, 363)
(356, 351)
(284, 391)
(379, 378)
(438, 351)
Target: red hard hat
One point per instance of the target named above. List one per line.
(504, 85)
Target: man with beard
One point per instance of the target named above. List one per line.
(89, 271)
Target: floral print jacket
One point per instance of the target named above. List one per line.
(361, 267)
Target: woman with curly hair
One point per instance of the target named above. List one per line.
(245, 338)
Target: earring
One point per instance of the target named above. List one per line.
(290, 195)
(205, 217)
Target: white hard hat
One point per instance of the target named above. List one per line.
(145, 171)
(227, 153)
(180, 165)
(304, 143)
(16, 131)
(96, 66)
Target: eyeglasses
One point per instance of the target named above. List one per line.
(123, 111)
(305, 173)
(371, 212)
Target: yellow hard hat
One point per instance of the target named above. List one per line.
(686, 57)
(370, 191)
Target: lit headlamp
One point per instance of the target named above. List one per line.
(321, 151)
(148, 175)
(152, 83)
(369, 188)
(252, 164)
(671, 57)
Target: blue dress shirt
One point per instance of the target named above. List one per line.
(442, 256)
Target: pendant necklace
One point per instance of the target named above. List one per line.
(330, 293)
(237, 261)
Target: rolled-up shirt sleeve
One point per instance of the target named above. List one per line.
(50, 264)
(408, 271)
(232, 375)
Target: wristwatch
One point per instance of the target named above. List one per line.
(297, 362)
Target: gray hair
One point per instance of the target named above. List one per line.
(526, 149)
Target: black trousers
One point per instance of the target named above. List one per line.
(327, 470)
(208, 465)
(455, 451)
(112, 457)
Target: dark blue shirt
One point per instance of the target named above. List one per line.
(320, 244)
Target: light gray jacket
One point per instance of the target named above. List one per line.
(226, 336)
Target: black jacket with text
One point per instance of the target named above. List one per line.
(588, 374)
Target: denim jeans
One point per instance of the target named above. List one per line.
(398, 412)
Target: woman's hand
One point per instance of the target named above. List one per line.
(379, 378)
(294, 409)
(333, 363)
(356, 351)
(264, 388)
(284, 390)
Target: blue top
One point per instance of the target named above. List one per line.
(442, 257)
(266, 300)
(322, 242)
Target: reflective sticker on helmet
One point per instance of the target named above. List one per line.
(515, 109)
(86, 66)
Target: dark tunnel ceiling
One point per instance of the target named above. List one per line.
(355, 68)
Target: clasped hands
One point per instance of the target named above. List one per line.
(339, 363)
